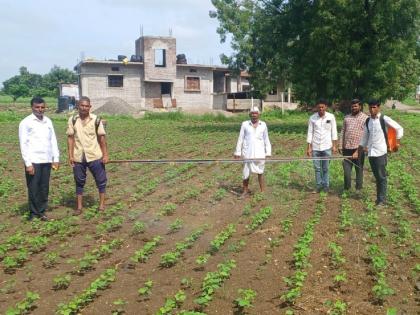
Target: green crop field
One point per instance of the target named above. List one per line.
(175, 239)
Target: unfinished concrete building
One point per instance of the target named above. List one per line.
(155, 77)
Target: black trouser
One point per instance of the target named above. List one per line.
(378, 165)
(358, 165)
(38, 188)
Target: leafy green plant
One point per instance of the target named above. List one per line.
(118, 307)
(392, 311)
(381, 289)
(247, 210)
(37, 244)
(87, 262)
(186, 282)
(176, 225)
(340, 278)
(190, 194)
(50, 260)
(337, 258)
(87, 296)
(346, 219)
(143, 254)
(24, 306)
(170, 258)
(337, 308)
(10, 264)
(286, 224)
(258, 197)
(259, 218)
(168, 209)
(219, 194)
(61, 282)
(138, 228)
(202, 259)
(111, 225)
(245, 299)
(221, 238)
(91, 258)
(9, 287)
(146, 289)
(213, 281)
(236, 247)
(172, 303)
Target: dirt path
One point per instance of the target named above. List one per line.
(402, 107)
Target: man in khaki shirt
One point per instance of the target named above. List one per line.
(87, 149)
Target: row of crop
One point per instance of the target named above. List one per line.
(170, 258)
(26, 244)
(376, 257)
(143, 254)
(301, 253)
(89, 294)
(337, 258)
(212, 280)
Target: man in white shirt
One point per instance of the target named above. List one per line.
(374, 139)
(38, 145)
(322, 141)
(253, 143)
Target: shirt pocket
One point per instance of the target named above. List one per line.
(327, 125)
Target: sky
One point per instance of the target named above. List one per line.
(39, 34)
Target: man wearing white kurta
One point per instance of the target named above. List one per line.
(253, 143)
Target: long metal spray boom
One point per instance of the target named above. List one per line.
(209, 161)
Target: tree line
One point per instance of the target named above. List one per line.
(335, 49)
(27, 84)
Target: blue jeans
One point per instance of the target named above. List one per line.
(321, 169)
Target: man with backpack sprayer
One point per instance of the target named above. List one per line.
(375, 141)
(87, 148)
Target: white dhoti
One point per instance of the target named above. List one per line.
(253, 167)
(253, 143)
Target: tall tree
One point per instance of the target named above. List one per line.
(22, 84)
(337, 49)
(57, 75)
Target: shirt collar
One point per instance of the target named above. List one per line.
(88, 118)
(325, 115)
(33, 117)
(259, 122)
(377, 116)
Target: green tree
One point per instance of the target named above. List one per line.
(22, 84)
(31, 84)
(337, 49)
(57, 75)
(16, 90)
